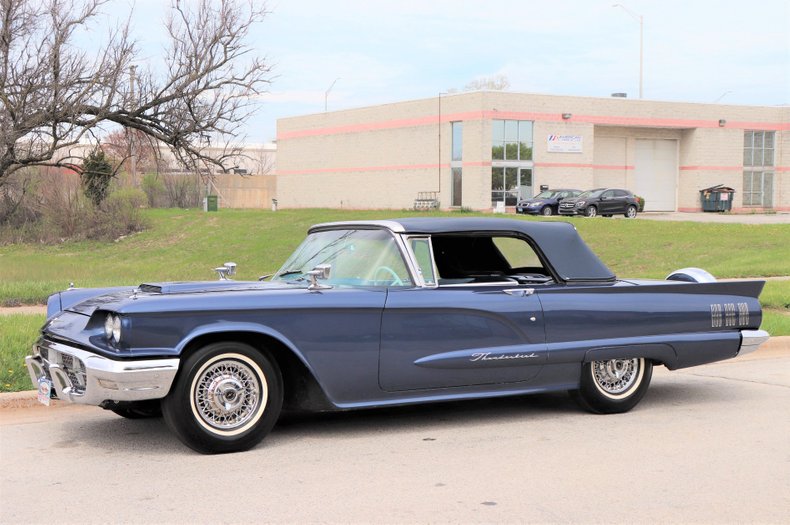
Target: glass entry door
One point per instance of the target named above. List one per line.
(509, 185)
(525, 183)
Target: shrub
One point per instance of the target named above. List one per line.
(154, 190)
(641, 203)
(118, 215)
(97, 173)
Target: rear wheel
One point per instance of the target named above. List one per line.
(226, 398)
(613, 386)
(547, 211)
(591, 211)
(630, 212)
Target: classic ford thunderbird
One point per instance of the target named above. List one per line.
(380, 313)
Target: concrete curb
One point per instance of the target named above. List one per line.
(28, 398)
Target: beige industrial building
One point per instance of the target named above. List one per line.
(484, 150)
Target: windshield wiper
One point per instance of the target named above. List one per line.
(289, 272)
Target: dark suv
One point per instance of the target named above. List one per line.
(601, 201)
(545, 202)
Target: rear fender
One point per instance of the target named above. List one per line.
(661, 353)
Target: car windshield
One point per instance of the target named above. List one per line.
(357, 258)
(545, 194)
(591, 193)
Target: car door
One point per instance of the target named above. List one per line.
(620, 201)
(454, 334)
(460, 336)
(607, 203)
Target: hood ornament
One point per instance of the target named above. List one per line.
(226, 270)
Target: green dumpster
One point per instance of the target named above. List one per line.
(717, 198)
(212, 203)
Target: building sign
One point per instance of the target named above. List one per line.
(564, 143)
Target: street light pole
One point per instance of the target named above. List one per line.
(639, 19)
(326, 93)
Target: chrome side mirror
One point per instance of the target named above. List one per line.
(322, 272)
(226, 270)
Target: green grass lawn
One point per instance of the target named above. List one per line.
(19, 332)
(187, 244)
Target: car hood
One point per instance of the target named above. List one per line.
(116, 298)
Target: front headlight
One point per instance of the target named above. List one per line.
(535, 204)
(581, 203)
(112, 327)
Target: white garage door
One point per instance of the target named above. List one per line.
(656, 173)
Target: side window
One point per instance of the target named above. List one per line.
(485, 259)
(517, 252)
(421, 248)
(620, 193)
(608, 194)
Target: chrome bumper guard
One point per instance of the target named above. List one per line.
(751, 340)
(83, 377)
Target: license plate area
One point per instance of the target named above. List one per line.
(44, 391)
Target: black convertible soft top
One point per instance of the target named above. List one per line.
(565, 250)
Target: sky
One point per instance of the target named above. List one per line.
(375, 52)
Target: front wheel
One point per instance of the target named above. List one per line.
(630, 212)
(547, 211)
(613, 386)
(591, 211)
(227, 398)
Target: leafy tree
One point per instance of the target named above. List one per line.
(55, 96)
(96, 175)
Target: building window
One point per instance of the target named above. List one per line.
(456, 164)
(758, 188)
(457, 131)
(457, 187)
(511, 140)
(758, 182)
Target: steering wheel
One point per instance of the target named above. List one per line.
(396, 281)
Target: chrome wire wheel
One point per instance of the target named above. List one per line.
(228, 394)
(616, 378)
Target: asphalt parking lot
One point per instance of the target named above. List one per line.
(707, 445)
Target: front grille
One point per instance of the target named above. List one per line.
(73, 367)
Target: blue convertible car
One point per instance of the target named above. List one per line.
(379, 313)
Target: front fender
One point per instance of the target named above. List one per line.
(249, 328)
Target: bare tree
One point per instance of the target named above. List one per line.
(493, 83)
(121, 144)
(53, 96)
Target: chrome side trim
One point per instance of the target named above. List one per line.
(751, 340)
(105, 379)
(393, 226)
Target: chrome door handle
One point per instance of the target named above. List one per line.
(519, 292)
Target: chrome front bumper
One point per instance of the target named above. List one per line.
(751, 340)
(83, 377)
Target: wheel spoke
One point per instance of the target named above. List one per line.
(227, 394)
